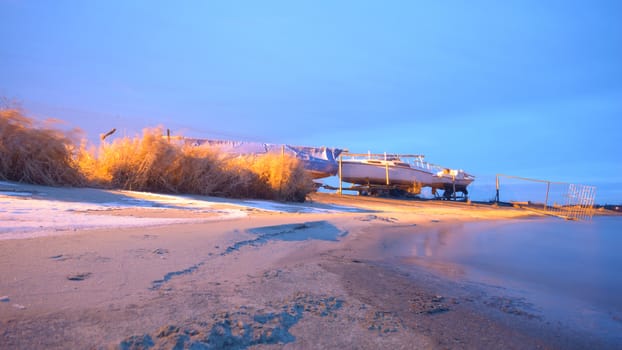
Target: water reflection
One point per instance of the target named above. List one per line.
(571, 269)
(433, 242)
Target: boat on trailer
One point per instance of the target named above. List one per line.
(408, 173)
(371, 173)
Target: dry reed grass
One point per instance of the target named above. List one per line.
(33, 154)
(150, 163)
(146, 163)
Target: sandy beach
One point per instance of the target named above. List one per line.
(329, 273)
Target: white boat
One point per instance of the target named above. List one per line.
(406, 172)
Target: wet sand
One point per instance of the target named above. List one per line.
(265, 281)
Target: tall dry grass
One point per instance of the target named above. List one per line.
(149, 162)
(34, 154)
(283, 174)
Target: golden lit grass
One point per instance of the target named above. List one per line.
(284, 175)
(36, 155)
(150, 163)
(147, 163)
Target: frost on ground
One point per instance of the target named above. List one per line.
(28, 211)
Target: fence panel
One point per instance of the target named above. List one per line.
(567, 200)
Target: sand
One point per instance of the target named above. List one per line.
(266, 280)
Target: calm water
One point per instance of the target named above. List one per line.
(570, 271)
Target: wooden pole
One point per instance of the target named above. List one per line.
(340, 186)
(386, 168)
(497, 186)
(103, 136)
(546, 200)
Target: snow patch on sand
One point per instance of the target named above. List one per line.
(28, 218)
(28, 211)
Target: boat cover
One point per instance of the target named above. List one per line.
(320, 161)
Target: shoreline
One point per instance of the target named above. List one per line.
(263, 281)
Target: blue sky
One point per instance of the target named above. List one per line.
(529, 88)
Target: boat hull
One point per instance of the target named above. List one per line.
(365, 173)
(381, 174)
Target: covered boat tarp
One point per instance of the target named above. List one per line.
(319, 161)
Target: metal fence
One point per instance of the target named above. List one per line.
(566, 200)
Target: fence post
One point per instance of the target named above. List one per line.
(497, 186)
(340, 186)
(546, 200)
(386, 168)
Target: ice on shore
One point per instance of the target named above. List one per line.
(23, 217)
(28, 211)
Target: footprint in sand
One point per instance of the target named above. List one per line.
(81, 276)
(59, 257)
(145, 253)
(378, 218)
(160, 251)
(87, 256)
